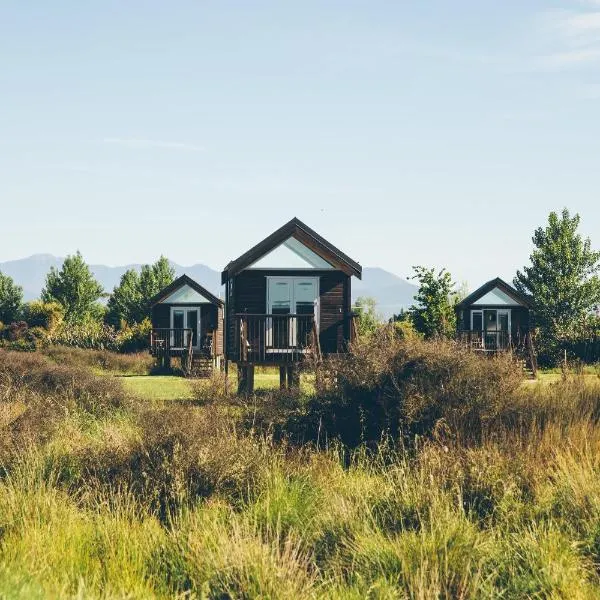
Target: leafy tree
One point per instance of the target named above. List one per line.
(11, 299)
(125, 303)
(368, 319)
(154, 278)
(562, 280)
(74, 288)
(129, 302)
(433, 314)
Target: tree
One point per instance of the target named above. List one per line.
(130, 300)
(563, 277)
(11, 299)
(154, 278)
(125, 303)
(368, 319)
(433, 314)
(74, 288)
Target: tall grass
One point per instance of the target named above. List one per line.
(103, 496)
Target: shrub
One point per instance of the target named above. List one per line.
(48, 315)
(391, 386)
(102, 360)
(136, 337)
(90, 334)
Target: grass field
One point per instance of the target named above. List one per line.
(172, 387)
(486, 488)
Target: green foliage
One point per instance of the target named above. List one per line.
(48, 315)
(74, 288)
(433, 314)
(136, 337)
(129, 302)
(11, 299)
(368, 320)
(91, 334)
(562, 281)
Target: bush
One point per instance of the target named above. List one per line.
(392, 386)
(48, 315)
(102, 360)
(136, 337)
(89, 334)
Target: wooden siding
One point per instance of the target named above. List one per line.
(250, 296)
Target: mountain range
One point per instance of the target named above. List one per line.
(391, 292)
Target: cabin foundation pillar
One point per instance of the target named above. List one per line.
(246, 380)
(282, 378)
(293, 377)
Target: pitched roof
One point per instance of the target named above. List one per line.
(180, 282)
(508, 289)
(303, 233)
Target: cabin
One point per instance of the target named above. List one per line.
(494, 317)
(288, 300)
(187, 323)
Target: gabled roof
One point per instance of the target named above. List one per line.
(509, 290)
(303, 233)
(180, 282)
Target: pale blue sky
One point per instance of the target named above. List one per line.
(432, 132)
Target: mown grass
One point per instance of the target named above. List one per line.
(105, 495)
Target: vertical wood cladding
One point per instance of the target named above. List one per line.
(250, 296)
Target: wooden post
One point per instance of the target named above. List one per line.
(250, 385)
(282, 378)
(242, 376)
(293, 377)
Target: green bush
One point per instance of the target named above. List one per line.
(48, 315)
(90, 334)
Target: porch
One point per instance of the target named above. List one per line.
(275, 339)
(169, 342)
(494, 340)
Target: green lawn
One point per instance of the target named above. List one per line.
(172, 387)
(158, 387)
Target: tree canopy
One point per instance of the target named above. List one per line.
(11, 299)
(74, 288)
(562, 279)
(433, 313)
(130, 300)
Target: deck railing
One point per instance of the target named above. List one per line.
(174, 342)
(275, 339)
(488, 340)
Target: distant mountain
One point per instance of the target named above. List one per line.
(391, 292)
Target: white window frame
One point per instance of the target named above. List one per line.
(185, 310)
(291, 279)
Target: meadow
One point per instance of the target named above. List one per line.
(412, 470)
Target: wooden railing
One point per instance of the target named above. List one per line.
(169, 342)
(275, 339)
(487, 341)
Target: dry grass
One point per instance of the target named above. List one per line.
(113, 497)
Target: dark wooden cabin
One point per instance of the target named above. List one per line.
(494, 317)
(187, 322)
(288, 298)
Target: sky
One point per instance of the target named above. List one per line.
(437, 133)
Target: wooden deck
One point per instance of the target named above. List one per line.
(273, 339)
(168, 343)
